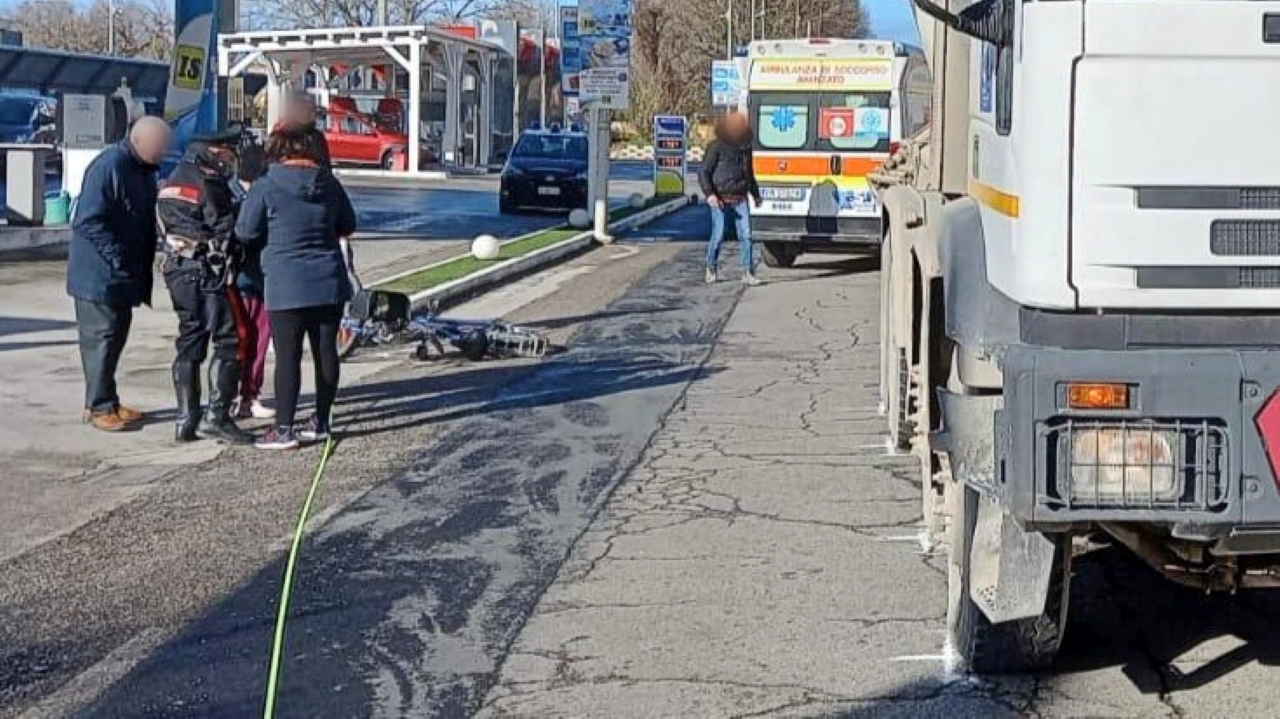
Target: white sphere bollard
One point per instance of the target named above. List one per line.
(636, 200)
(579, 218)
(485, 247)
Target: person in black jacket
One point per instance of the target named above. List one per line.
(298, 214)
(113, 247)
(197, 213)
(728, 181)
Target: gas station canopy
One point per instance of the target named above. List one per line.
(50, 71)
(288, 55)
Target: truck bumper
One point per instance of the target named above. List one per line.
(1190, 452)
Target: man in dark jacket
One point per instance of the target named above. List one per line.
(113, 246)
(197, 213)
(728, 180)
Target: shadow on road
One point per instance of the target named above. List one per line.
(405, 404)
(354, 577)
(809, 271)
(407, 599)
(1165, 639)
(559, 322)
(31, 325)
(1123, 614)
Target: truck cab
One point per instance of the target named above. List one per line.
(1081, 303)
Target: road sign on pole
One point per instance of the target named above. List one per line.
(570, 51)
(670, 145)
(604, 31)
(726, 83)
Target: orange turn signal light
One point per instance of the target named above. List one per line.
(1097, 396)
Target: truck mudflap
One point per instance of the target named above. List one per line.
(1010, 568)
(1188, 450)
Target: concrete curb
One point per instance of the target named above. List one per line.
(20, 240)
(490, 277)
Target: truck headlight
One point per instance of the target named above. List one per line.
(1125, 464)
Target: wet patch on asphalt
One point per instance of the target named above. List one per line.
(407, 601)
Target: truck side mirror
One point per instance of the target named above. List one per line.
(987, 20)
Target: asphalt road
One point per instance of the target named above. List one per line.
(688, 512)
(408, 598)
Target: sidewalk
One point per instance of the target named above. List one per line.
(61, 473)
(761, 560)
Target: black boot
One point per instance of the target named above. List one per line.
(186, 385)
(224, 382)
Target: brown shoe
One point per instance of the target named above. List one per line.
(129, 414)
(126, 414)
(111, 422)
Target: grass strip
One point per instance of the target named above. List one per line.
(462, 266)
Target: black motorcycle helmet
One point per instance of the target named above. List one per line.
(216, 151)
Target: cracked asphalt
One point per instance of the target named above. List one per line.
(689, 512)
(763, 560)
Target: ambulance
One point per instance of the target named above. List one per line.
(826, 113)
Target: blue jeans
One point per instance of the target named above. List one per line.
(739, 213)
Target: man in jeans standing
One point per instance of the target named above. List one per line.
(728, 180)
(109, 265)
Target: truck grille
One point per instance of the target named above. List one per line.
(1245, 238)
(1136, 464)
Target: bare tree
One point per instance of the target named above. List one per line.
(674, 42)
(531, 14)
(263, 14)
(143, 28)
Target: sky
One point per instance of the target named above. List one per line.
(892, 20)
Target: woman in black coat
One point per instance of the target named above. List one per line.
(298, 214)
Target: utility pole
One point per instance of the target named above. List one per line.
(728, 42)
(542, 76)
(111, 27)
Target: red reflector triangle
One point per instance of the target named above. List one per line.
(1268, 423)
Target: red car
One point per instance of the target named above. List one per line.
(360, 139)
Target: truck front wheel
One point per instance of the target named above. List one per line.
(780, 254)
(1014, 647)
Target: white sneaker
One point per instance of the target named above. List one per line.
(260, 411)
(710, 277)
(750, 280)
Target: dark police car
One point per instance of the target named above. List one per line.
(546, 169)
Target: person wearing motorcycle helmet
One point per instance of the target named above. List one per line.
(196, 210)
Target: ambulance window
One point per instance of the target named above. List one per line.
(856, 121)
(783, 125)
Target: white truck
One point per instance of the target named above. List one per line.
(1081, 302)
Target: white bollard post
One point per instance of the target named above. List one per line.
(602, 222)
